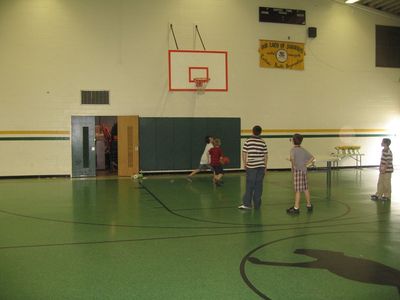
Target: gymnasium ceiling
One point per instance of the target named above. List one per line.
(389, 6)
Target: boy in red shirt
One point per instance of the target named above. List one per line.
(215, 156)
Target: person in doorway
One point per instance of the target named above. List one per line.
(107, 144)
(204, 164)
(300, 159)
(215, 157)
(255, 158)
(114, 148)
(384, 188)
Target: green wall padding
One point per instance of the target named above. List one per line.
(178, 143)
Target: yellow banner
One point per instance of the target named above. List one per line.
(282, 55)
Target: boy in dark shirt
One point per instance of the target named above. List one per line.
(215, 156)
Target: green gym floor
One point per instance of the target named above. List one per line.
(110, 238)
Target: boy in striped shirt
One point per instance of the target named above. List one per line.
(384, 189)
(255, 157)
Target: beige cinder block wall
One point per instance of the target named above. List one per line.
(51, 50)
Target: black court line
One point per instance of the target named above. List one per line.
(186, 236)
(191, 218)
(333, 219)
(236, 225)
(232, 225)
(112, 225)
(347, 211)
(233, 206)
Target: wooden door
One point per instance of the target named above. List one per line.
(128, 145)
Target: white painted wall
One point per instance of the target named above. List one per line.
(52, 49)
(35, 158)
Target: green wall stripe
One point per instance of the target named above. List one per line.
(38, 138)
(277, 136)
(283, 136)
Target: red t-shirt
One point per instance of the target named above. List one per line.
(215, 156)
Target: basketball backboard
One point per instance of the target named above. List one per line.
(187, 65)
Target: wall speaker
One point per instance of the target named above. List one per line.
(312, 32)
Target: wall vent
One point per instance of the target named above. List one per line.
(95, 97)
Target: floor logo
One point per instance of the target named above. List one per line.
(353, 268)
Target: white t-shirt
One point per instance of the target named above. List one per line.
(204, 157)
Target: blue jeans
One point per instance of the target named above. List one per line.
(254, 187)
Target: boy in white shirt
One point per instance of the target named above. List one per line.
(204, 165)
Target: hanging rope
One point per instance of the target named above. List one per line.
(173, 33)
(201, 40)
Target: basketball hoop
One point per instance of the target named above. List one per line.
(201, 84)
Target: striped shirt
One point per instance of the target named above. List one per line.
(256, 150)
(387, 160)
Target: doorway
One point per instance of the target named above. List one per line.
(105, 145)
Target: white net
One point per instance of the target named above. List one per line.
(201, 84)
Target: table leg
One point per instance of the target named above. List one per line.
(328, 177)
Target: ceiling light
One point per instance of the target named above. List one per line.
(351, 1)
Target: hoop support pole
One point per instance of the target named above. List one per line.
(201, 40)
(173, 34)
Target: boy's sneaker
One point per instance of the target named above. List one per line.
(218, 183)
(385, 199)
(310, 208)
(244, 207)
(374, 197)
(293, 211)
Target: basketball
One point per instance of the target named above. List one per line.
(225, 160)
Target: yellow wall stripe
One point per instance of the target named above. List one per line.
(26, 132)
